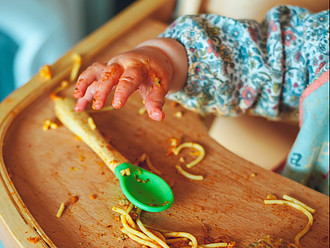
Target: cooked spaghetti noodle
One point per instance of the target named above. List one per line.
(150, 237)
(288, 200)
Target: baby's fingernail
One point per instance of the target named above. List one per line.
(116, 103)
(77, 109)
(156, 115)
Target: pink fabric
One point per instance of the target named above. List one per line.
(310, 89)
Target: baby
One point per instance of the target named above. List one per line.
(278, 69)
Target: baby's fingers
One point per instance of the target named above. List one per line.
(106, 82)
(87, 77)
(154, 102)
(130, 81)
(88, 97)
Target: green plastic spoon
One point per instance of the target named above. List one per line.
(141, 187)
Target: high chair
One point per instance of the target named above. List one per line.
(42, 170)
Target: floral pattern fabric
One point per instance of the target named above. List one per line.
(238, 66)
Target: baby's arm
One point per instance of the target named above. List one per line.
(239, 66)
(154, 68)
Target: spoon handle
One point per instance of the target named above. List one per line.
(84, 128)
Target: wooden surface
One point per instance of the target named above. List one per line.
(48, 167)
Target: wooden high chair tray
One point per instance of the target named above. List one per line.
(41, 169)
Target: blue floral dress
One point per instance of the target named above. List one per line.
(239, 66)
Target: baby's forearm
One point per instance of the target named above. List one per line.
(177, 55)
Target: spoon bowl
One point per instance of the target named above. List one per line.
(144, 189)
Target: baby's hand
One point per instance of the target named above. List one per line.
(145, 68)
